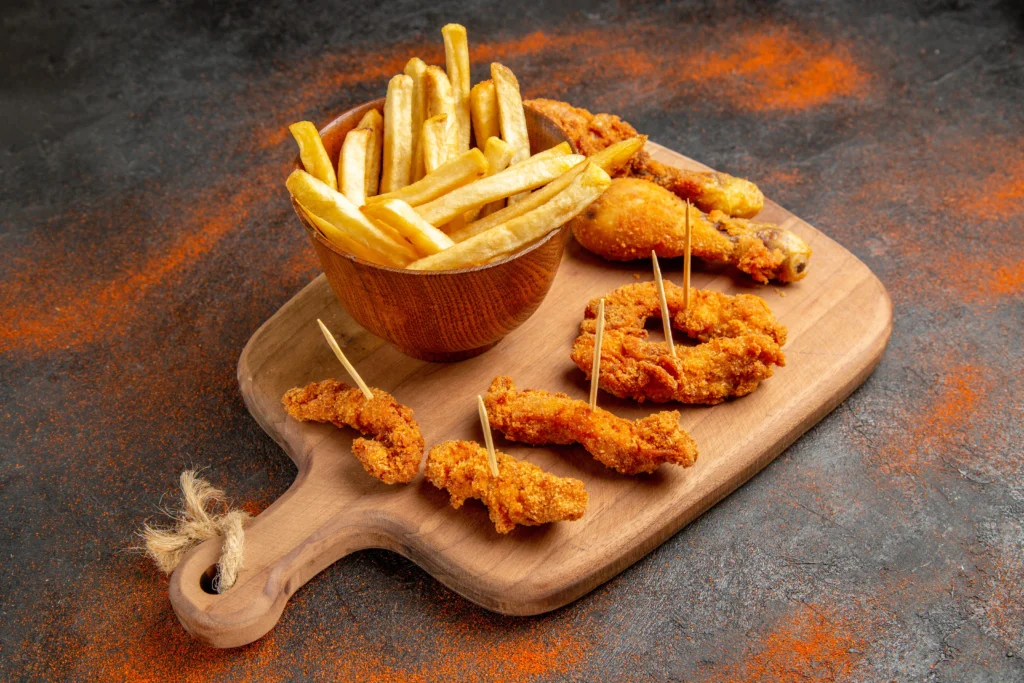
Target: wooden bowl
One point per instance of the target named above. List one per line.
(444, 315)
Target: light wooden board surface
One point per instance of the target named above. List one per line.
(839, 319)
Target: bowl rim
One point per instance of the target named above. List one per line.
(315, 234)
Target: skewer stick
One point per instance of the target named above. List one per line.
(344, 361)
(665, 320)
(492, 459)
(686, 264)
(595, 369)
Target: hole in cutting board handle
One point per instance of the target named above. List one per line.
(206, 580)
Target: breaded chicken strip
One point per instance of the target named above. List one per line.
(522, 493)
(708, 190)
(394, 454)
(540, 417)
(741, 342)
(634, 217)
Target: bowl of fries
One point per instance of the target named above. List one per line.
(450, 313)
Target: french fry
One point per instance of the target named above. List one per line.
(456, 58)
(441, 100)
(498, 154)
(511, 117)
(615, 156)
(483, 106)
(414, 69)
(397, 134)
(559, 150)
(394, 212)
(374, 122)
(498, 186)
(450, 175)
(312, 153)
(339, 239)
(317, 198)
(610, 159)
(352, 165)
(515, 234)
(434, 142)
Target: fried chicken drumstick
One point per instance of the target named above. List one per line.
(522, 493)
(708, 190)
(540, 417)
(394, 454)
(741, 341)
(634, 217)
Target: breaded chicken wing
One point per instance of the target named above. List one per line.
(634, 217)
(540, 417)
(394, 454)
(741, 341)
(522, 493)
(708, 190)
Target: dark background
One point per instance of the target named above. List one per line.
(146, 234)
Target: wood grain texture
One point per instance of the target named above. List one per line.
(440, 315)
(839, 319)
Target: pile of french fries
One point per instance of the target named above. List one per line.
(411, 192)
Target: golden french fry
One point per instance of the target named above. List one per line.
(615, 156)
(339, 239)
(483, 105)
(352, 165)
(456, 58)
(511, 117)
(441, 100)
(434, 142)
(374, 122)
(450, 175)
(414, 69)
(498, 154)
(559, 150)
(312, 153)
(498, 186)
(518, 232)
(610, 159)
(397, 134)
(320, 200)
(394, 212)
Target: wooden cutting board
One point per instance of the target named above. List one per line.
(839, 319)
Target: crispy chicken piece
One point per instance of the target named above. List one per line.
(394, 454)
(521, 494)
(540, 417)
(741, 341)
(634, 217)
(709, 190)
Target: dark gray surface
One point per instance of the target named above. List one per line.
(146, 234)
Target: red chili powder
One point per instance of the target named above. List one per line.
(809, 643)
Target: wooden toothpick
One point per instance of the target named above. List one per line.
(344, 361)
(595, 369)
(686, 264)
(492, 459)
(665, 320)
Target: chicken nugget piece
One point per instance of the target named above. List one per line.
(396, 449)
(708, 190)
(635, 217)
(541, 417)
(741, 341)
(522, 493)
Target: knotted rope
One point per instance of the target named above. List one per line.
(193, 524)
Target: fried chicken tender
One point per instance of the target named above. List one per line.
(394, 454)
(540, 417)
(634, 217)
(522, 493)
(708, 190)
(741, 341)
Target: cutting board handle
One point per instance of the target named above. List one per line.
(301, 534)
